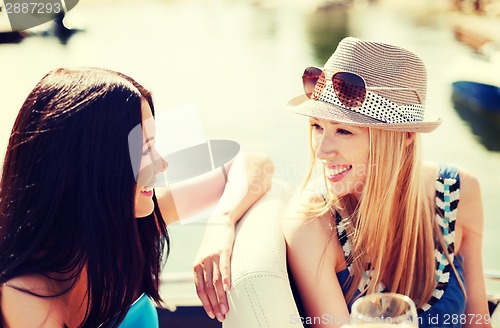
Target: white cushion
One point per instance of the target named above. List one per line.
(260, 295)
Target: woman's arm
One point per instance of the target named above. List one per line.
(249, 179)
(470, 219)
(313, 254)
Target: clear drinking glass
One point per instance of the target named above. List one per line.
(384, 310)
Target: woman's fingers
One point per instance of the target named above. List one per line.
(209, 288)
(225, 270)
(219, 288)
(199, 281)
(213, 272)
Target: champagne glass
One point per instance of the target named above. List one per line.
(384, 310)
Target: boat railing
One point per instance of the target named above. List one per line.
(492, 275)
(177, 277)
(188, 278)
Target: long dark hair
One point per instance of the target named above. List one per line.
(67, 192)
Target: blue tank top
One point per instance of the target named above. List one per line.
(141, 313)
(448, 301)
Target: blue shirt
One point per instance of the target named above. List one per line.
(141, 313)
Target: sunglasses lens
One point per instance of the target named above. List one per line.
(350, 89)
(314, 82)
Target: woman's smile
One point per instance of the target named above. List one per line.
(336, 173)
(147, 191)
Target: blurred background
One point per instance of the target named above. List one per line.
(239, 61)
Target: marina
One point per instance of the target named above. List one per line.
(240, 61)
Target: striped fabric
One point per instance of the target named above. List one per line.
(447, 197)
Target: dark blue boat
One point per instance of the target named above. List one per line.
(477, 96)
(478, 105)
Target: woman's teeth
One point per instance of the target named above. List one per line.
(338, 170)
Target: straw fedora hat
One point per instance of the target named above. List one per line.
(395, 80)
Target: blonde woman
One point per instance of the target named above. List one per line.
(385, 221)
(379, 219)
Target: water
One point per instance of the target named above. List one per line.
(239, 62)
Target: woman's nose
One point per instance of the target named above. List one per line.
(325, 149)
(164, 164)
(160, 164)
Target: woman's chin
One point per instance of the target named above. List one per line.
(337, 189)
(144, 211)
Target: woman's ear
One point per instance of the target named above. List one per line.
(410, 137)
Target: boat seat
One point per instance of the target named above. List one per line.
(260, 296)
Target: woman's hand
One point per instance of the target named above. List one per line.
(212, 265)
(249, 179)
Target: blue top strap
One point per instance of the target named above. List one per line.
(141, 313)
(448, 172)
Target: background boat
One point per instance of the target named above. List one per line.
(477, 96)
(478, 104)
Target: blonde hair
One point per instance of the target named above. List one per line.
(394, 215)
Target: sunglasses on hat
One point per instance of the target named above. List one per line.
(349, 88)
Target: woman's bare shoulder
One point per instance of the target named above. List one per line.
(26, 302)
(470, 208)
(299, 224)
(430, 171)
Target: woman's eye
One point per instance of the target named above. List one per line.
(316, 126)
(343, 132)
(147, 151)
